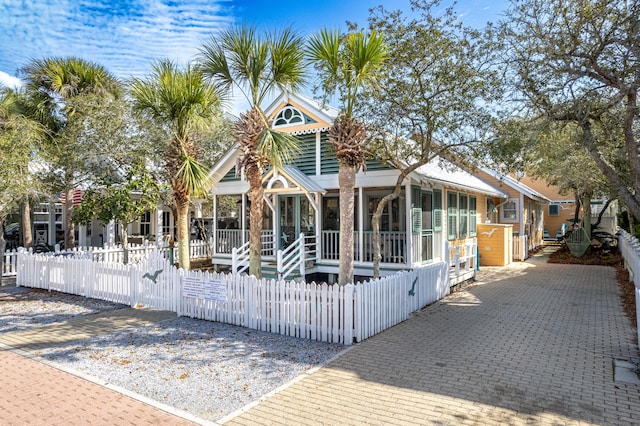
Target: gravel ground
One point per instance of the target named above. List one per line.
(208, 369)
(22, 307)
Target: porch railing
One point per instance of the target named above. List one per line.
(227, 239)
(393, 247)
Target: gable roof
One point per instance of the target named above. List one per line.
(517, 185)
(324, 115)
(449, 174)
(297, 178)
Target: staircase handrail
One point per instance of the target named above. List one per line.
(290, 258)
(240, 258)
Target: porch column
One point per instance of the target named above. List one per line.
(318, 154)
(198, 210)
(82, 235)
(243, 217)
(51, 238)
(360, 254)
(214, 226)
(158, 228)
(110, 233)
(409, 226)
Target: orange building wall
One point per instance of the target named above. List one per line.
(565, 210)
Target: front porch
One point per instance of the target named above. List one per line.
(319, 249)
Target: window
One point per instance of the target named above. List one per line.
(509, 211)
(452, 215)
(554, 210)
(166, 223)
(390, 219)
(463, 215)
(288, 116)
(473, 216)
(145, 224)
(427, 210)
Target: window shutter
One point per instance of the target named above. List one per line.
(437, 210)
(473, 216)
(416, 219)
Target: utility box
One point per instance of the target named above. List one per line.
(495, 244)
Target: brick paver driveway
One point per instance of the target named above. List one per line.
(533, 346)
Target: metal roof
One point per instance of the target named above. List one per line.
(301, 180)
(447, 173)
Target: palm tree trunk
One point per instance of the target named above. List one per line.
(346, 181)
(27, 235)
(255, 222)
(182, 209)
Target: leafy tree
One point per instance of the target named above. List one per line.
(347, 64)
(123, 199)
(256, 65)
(434, 94)
(577, 64)
(20, 123)
(182, 103)
(64, 88)
(17, 132)
(552, 151)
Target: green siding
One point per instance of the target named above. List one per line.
(231, 176)
(306, 160)
(330, 164)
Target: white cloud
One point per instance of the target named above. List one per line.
(7, 80)
(125, 36)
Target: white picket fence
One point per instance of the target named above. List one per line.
(338, 314)
(629, 247)
(111, 254)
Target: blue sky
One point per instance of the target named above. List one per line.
(126, 36)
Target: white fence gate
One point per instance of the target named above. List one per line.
(630, 249)
(338, 314)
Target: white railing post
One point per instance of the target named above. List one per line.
(279, 264)
(302, 255)
(234, 260)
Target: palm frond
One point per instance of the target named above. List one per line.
(280, 148)
(193, 177)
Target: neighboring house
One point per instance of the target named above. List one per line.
(440, 204)
(524, 209)
(560, 209)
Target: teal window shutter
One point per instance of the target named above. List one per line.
(463, 215)
(437, 210)
(452, 215)
(473, 216)
(416, 219)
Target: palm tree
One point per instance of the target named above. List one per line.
(256, 66)
(183, 103)
(347, 64)
(62, 87)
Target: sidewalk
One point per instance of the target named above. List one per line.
(533, 343)
(35, 392)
